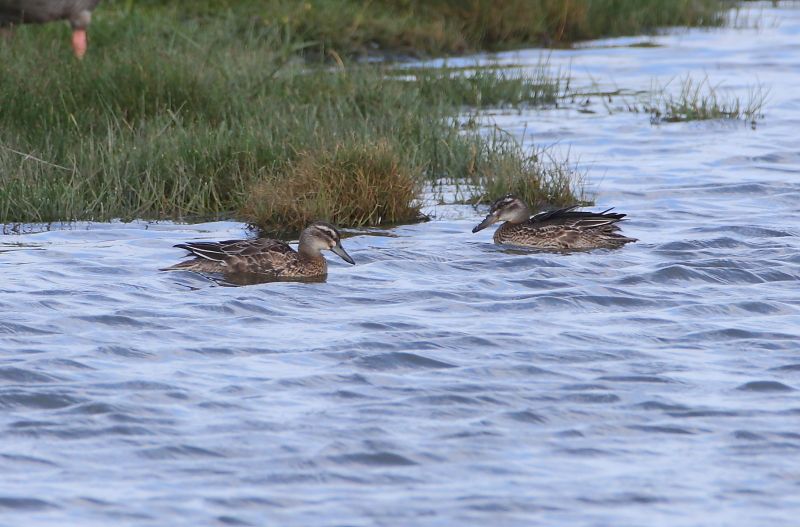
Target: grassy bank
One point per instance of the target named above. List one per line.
(207, 111)
(413, 27)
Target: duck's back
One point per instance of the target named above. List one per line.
(564, 229)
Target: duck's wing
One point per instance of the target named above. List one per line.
(567, 218)
(222, 251)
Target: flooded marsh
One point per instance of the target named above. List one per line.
(444, 380)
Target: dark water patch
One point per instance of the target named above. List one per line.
(323, 381)
(119, 321)
(231, 520)
(587, 452)
(765, 387)
(510, 371)
(751, 231)
(581, 387)
(134, 386)
(705, 413)
(630, 498)
(93, 408)
(471, 434)
(787, 368)
(13, 328)
(125, 351)
(12, 503)
(214, 350)
(570, 434)
(725, 334)
(23, 376)
(69, 364)
(400, 360)
(654, 429)
(746, 435)
(241, 502)
(376, 459)
(349, 395)
(674, 273)
(591, 398)
(618, 301)
(448, 400)
(636, 378)
(36, 400)
(27, 460)
(387, 326)
(762, 308)
(250, 306)
(658, 405)
(526, 416)
(178, 452)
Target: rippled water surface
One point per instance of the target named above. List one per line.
(443, 380)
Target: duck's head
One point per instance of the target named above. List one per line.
(508, 208)
(322, 236)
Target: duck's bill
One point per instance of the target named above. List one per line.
(339, 250)
(490, 219)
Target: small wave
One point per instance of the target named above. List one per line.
(400, 360)
(765, 387)
(375, 459)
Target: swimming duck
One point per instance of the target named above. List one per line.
(78, 12)
(265, 256)
(560, 229)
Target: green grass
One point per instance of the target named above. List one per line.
(208, 110)
(331, 29)
(698, 100)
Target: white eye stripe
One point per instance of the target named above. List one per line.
(327, 231)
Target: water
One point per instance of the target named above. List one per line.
(443, 380)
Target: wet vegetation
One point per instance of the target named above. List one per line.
(698, 100)
(253, 110)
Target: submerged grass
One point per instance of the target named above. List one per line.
(698, 100)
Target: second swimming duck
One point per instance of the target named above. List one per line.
(265, 256)
(558, 230)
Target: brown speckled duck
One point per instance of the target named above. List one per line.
(555, 230)
(265, 256)
(78, 12)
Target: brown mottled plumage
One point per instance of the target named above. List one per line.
(555, 230)
(265, 256)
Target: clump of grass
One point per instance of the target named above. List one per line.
(352, 183)
(698, 100)
(539, 176)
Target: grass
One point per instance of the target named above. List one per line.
(541, 177)
(434, 27)
(354, 184)
(698, 100)
(209, 111)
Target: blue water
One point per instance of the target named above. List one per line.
(444, 380)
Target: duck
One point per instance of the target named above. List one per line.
(554, 230)
(77, 12)
(266, 256)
